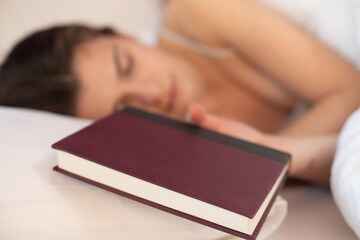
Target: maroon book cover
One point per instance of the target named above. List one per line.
(226, 172)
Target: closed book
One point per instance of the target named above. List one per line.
(198, 174)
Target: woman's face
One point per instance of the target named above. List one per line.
(115, 72)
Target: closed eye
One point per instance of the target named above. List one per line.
(130, 65)
(123, 62)
(117, 60)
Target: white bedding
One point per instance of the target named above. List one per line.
(345, 172)
(37, 203)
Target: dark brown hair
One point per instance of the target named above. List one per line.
(37, 73)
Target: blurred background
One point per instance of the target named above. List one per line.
(334, 22)
(18, 18)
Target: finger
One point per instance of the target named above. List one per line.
(196, 113)
(199, 116)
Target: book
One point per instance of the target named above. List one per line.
(209, 178)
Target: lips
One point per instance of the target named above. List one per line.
(172, 94)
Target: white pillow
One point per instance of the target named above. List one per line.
(345, 172)
(336, 23)
(38, 203)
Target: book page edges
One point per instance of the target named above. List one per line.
(163, 196)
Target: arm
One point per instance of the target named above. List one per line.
(311, 156)
(281, 50)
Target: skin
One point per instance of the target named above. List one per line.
(115, 72)
(248, 95)
(311, 156)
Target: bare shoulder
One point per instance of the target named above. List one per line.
(193, 18)
(209, 20)
(181, 10)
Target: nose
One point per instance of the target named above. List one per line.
(148, 92)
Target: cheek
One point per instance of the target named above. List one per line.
(94, 104)
(154, 61)
(97, 95)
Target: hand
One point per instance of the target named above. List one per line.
(311, 156)
(198, 116)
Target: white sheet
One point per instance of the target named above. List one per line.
(345, 172)
(38, 203)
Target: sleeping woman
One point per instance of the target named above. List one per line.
(236, 67)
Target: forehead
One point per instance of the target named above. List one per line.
(93, 49)
(99, 44)
(95, 70)
(92, 60)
